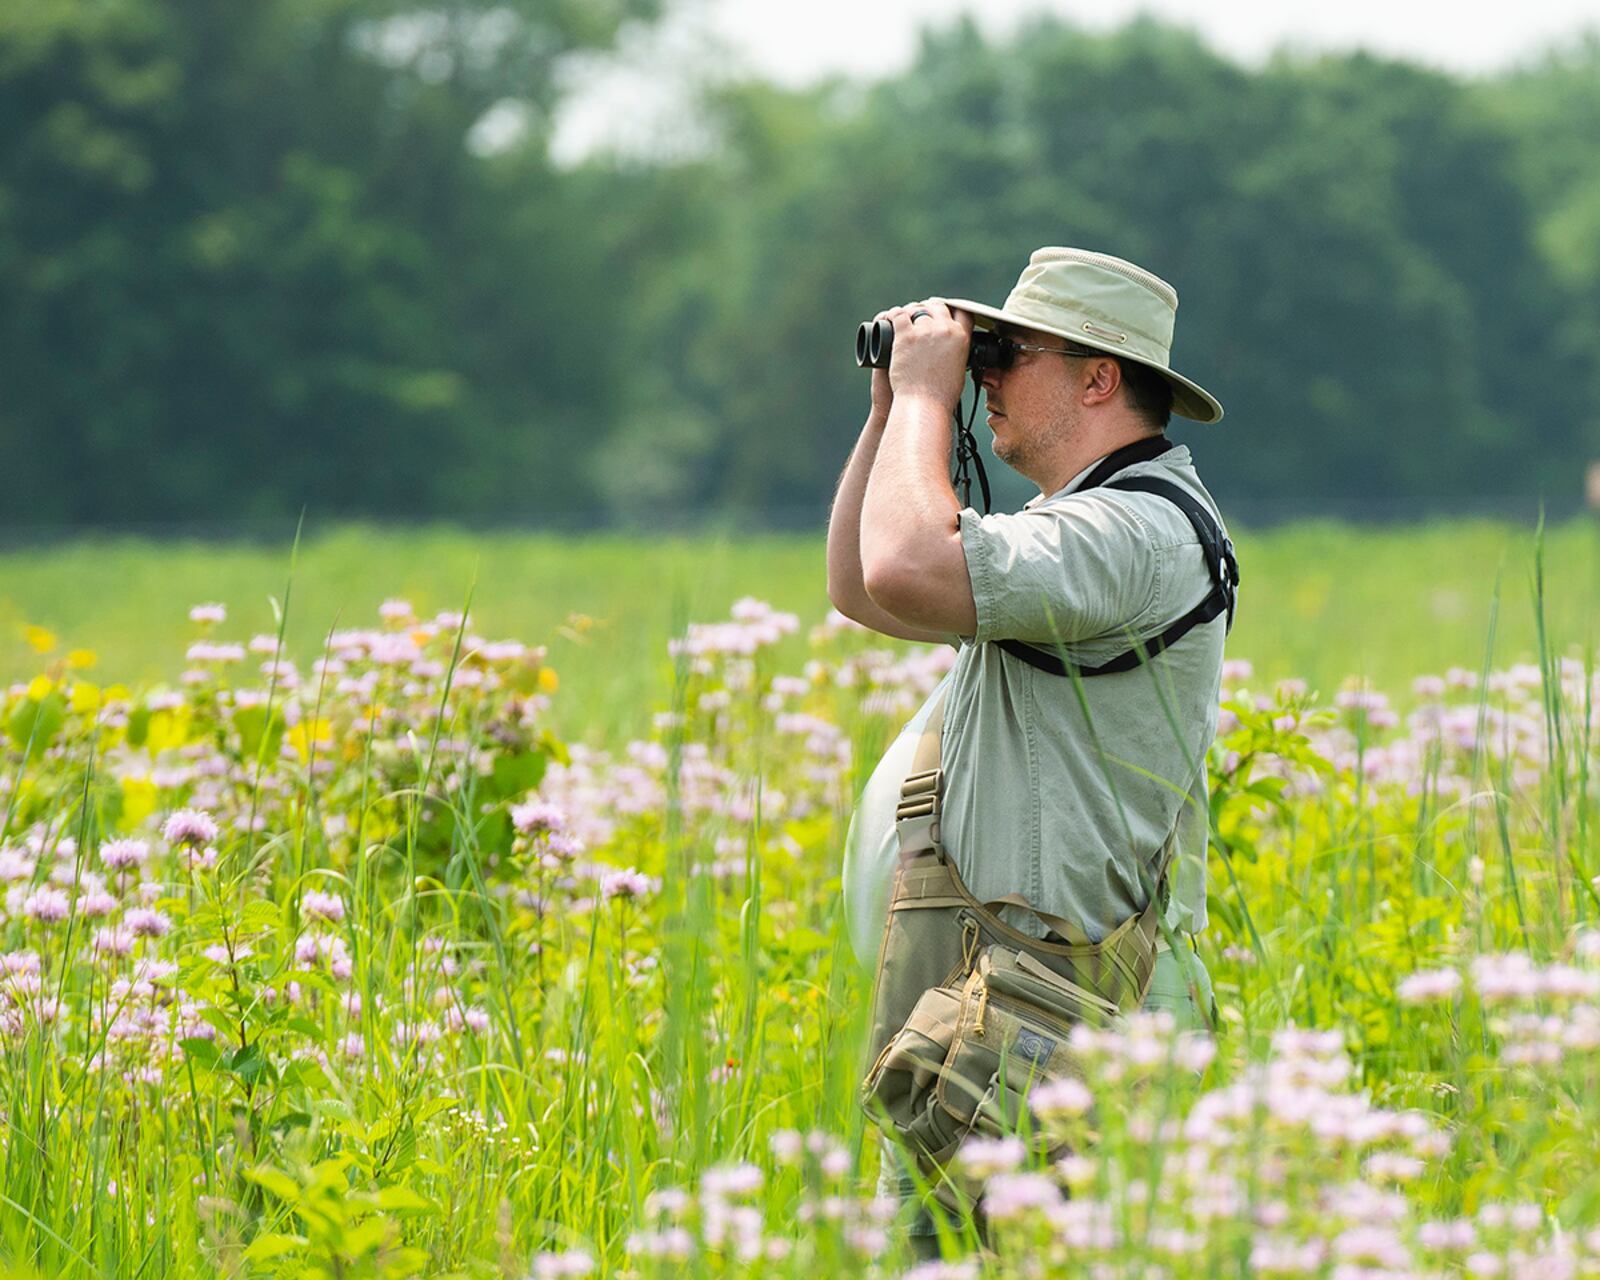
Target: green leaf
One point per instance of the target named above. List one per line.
(333, 1109)
(249, 1063)
(402, 1199)
(554, 747)
(276, 1181)
(219, 1019)
(39, 722)
(432, 1107)
(254, 727)
(260, 914)
(302, 1071)
(203, 1053)
(803, 941)
(515, 774)
(138, 725)
(274, 1245)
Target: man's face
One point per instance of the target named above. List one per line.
(1033, 404)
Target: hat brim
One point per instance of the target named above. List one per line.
(1189, 399)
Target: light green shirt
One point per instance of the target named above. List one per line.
(1062, 800)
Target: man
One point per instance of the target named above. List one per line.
(1065, 791)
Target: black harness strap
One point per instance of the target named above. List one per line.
(1218, 551)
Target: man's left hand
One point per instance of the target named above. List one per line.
(930, 352)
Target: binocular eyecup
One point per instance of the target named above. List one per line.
(875, 347)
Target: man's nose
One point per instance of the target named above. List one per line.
(989, 379)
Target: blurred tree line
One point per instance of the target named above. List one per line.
(254, 257)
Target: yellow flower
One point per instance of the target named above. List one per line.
(138, 802)
(39, 688)
(549, 682)
(81, 659)
(39, 639)
(306, 733)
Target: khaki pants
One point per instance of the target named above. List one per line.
(1169, 991)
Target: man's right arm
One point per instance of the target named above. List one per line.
(846, 588)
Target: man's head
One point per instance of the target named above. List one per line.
(1056, 392)
(1079, 300)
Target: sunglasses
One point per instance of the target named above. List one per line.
(1009, 347)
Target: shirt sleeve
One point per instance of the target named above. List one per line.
(1077, 569)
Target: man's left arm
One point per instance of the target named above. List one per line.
(912, 561)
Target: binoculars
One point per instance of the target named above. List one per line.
(875, 345)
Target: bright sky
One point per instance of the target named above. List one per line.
(628, 99)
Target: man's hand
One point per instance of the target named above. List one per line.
(912, 563)
(930, 352)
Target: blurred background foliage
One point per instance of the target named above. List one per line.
(317, 253)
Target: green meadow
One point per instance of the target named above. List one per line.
(1322, 601)
(374, 977)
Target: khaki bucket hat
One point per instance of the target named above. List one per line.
(1102, 302)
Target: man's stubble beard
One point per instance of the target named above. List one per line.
(1021, 452)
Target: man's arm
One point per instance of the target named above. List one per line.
(846, 585)
(913, 566)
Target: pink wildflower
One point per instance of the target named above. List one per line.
(787, 1146)
(323, 906)
(983, 1157)
(1065, 1097)
(46, 905)
(1429, 985)
(557, 1266)
(122, 854)
(538, 817)
(96, 903)
(190, 827)
(208, 614)
(730, 1180)
(1011, 1195)
(625, 884)
(146, 922)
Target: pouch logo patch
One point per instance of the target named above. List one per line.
(1033, 1046)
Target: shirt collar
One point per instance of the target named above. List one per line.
(1177, 456)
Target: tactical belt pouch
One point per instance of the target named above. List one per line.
(968, 1012)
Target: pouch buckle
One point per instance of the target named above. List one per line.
(917, 814)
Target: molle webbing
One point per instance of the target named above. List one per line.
(1117, 967)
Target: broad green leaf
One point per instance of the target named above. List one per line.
(276, 1181)
(402, 1199)
(34, 724)
(263, 1248)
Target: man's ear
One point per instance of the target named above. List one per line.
(1104, 378)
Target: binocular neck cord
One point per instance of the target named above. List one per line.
(967, 452)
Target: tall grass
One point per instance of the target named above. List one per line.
(444, 996)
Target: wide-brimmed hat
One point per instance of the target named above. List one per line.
(1101, 302)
